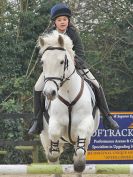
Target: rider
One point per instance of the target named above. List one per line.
(60, 16)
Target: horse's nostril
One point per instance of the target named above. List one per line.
(53, 93)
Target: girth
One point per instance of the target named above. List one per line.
(70, 106)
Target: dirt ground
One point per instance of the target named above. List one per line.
(86, 175)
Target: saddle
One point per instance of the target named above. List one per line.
(92, 90)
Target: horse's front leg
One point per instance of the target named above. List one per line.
(54, 135)
(84, 133)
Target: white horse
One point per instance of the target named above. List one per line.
(71, 107)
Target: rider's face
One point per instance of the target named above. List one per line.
(61, 23)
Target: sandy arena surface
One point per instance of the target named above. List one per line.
(86, 175)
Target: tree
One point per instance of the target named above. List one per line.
(23, 22)
(106, 29)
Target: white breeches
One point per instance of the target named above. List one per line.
(90, 77)
(40, 82)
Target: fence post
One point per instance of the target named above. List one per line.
(35, 153)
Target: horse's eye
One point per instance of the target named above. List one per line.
(62, 62)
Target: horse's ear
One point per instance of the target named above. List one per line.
(61, 41)
(41, 41)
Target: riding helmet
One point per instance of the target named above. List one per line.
(60, 10)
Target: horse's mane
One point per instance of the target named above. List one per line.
(51, 39)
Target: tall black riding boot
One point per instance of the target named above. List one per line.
(108, 121)
(37, 125)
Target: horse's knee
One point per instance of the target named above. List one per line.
(54, 136)
(54, 133)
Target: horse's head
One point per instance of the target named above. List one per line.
(57, 61)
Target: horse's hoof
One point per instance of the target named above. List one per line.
(79, 166)
(52, 158)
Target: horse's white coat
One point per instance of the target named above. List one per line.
(83, 123)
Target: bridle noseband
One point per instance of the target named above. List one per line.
(61, 79)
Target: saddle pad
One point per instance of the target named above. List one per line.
(93, 98)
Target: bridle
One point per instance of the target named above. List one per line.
(62, 79)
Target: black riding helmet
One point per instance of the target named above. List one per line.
(60, 10)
